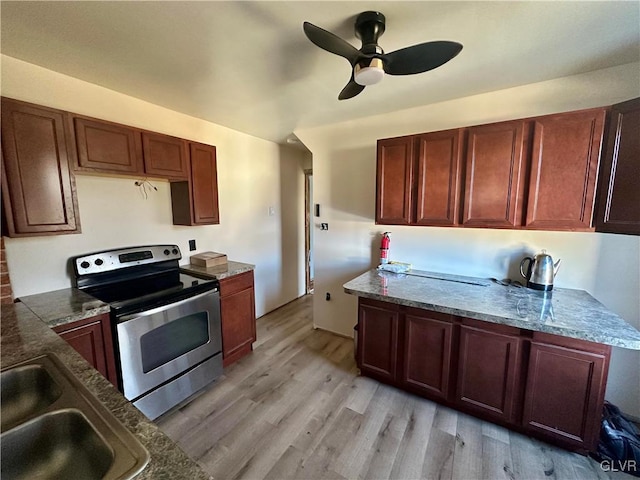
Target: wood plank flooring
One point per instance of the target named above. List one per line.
(297, 409)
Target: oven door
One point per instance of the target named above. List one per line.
(160, 344)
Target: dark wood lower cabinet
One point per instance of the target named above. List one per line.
(543, 385)
(488, 370)
(92, 339)
(378, 328)
(428, 346)
(565, 390)
(237, 309)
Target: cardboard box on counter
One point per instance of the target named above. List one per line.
(208, 259)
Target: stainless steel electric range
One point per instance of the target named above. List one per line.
(166, 323)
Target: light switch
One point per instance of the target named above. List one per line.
(272, 211)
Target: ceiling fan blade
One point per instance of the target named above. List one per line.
(331, 43)
(351, 89)
(420, 58)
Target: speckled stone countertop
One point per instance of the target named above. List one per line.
(60, 307)
(68, 305)
(565, 312)
(24, 336)
(221, 271)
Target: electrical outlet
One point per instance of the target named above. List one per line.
(192, 245)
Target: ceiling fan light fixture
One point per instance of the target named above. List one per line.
(369, 74)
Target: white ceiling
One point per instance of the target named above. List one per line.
(247, 65)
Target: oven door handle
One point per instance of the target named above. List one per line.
(168, 306)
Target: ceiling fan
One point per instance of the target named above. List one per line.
(370, 63)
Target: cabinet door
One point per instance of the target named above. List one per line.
(378, 339)
(495, 174)
(565, 393)
(489, 372)
(619, 192)
(564, 166)
(38, 190)
(92, 339)
(204, 182)
(237, 310)
(165, 156)
(394, 183)
(108, 147)
(439, 172)
(428, 352)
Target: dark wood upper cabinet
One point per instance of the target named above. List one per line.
(565, 389)
(537, 173)
(564, 167)
(195, 201)
(618, 202)
(439, 165)
(489, 377)
(165, 156)
(394, 192)
(495, 175)
(419, 179)
(38, 189)
(107, 147)
(204, 178)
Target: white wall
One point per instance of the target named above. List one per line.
(344, 157)
(253, 175)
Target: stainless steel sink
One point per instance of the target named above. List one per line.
(60, 444)
(53, 427)
(24, 391)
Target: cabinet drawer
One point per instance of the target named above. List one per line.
(231, 285)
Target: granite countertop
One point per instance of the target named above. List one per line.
(566, 312)
(60, 307)
(24, 336)
(68, 305)
(219, 272)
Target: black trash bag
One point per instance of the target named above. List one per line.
(619, 446)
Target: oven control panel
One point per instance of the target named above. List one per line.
(111, 260)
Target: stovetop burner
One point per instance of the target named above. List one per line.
(142, 294)
(135, 279)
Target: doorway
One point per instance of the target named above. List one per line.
(308, 229)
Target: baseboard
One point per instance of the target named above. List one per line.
(284, 305)
(315, 327)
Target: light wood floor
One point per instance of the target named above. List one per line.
(297, 409)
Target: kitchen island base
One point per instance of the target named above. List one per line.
(547, 386)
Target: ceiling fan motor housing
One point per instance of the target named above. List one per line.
(369, 27)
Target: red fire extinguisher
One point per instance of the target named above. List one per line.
(384, 248)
